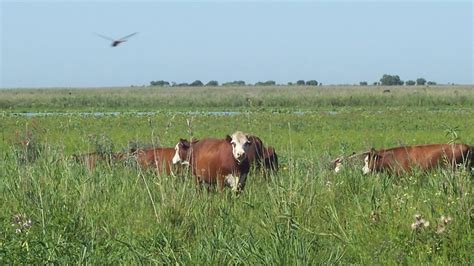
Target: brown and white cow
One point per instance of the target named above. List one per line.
(424, 157)
(217, 161)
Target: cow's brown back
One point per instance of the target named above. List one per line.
(158, 158)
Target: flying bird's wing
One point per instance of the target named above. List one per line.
(105, 37)
(128, 36)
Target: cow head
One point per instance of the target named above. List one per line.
(370, 161)
(181, 152)
(337, 164)
(240, 145)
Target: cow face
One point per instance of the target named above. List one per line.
(370, 161)
(366, 168)
(240, 145)
(181, 152)
(337, 164)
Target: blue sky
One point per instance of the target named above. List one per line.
(52, 44)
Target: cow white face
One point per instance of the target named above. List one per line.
(240, 145)
(366, 168)
(176, 158)
(338, 167)
(336, 164)
(181, 152)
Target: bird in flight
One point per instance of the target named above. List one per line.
(116, 42)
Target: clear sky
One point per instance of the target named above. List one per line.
(52, 44)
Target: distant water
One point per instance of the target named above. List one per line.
(100, 114)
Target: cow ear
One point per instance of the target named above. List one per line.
(184, 143)
(228, 138)
(249, 139)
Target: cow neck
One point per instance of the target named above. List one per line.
(190, 152)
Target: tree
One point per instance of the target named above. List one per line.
(420, 81)
(266, 83)
(234, 83)
(300, 82)
(160, 83)
(196, 83)
(410, 82)
(312, 83)
(431, 83)
(363, 83)
(390, 80)
(212, 83)
(290, 83)
(184, 84)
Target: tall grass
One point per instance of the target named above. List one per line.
(304, 215)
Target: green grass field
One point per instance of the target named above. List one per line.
(305, 214)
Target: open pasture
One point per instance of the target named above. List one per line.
(304, 214)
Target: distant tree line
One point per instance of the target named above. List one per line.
(214, 83)
(386, 80)
(391, 80)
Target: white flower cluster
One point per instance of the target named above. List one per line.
(21, 222)
(419, 223)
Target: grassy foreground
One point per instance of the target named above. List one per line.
(304, 215)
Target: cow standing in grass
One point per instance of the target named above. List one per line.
(217, 161)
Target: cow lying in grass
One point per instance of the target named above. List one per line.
(424, 157)
(403, 159)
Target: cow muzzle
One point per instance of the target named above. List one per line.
(240, 157)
